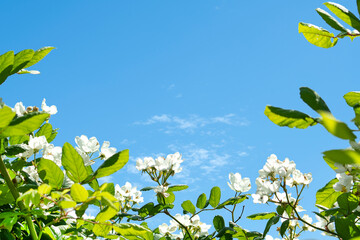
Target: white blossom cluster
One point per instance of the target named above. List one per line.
(86, 147)
(160, 169)
(128, 196)
(193, 224)
(20, 109)
(273, 174)
(170, 163)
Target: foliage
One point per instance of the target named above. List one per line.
(323, 38)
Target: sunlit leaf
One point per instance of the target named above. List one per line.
(317, 35)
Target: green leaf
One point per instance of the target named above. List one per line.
(232, 201)
(45, 130)
(73, 163)
(335, 127)
(317, 35)
(18, 139)
(14, 150)
(176, 188)
(261, 216)
(67, 204)
(6, 116)
(39, 55)
(188, 206)
(21, 59)
(284, 226)
(344, 14)
(201, 201)
(288, 118)
(326, 196)
(107, 213)
(130, 229)
(342, 227)
(78, 193)
(44, 189)
(342, 156)
(218, 222)
(215, 196)
(272, 221)
(348, 202)
(352, 98)
(6, 64)
(31, 197)
(311, 98)
(113, 164)
(8, 223)
(146, 210)
(50, 173)
(101, 230)
(147, 189)
(330, 20)
(94, 183)
(24, 125)
(168, 200)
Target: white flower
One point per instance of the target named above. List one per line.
(306, 226)
(148, 162)
(85, 157)
(128, 193)
(200, 228)
(67, 181)
(87, 145)
(162, 164)
(345, 182)
(162, 190)
(37, 143)
(19, 109)
(33, 175)
(268, 237)
(166, 229)
(258, 198)
(237, 184)
(322, 223)
(53, 153)
(183, 219)
(28, 153)
(50, 110)
(175, 161)
(106, 150)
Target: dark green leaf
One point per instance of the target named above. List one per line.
(215, 196)
(261, 216)
(50, 173)
(218, 222)
(166, 200)
(342, 228)
(188, 206)
(146, 210)
(272, 221)
(201, 201)
(288, 118)
(313, 100)
(73, 163)
(348, 202)
(284, 226)
(327, 196)
(233, 201)
(344, 14)
(14, 150)
(330, 20)
(113, 164)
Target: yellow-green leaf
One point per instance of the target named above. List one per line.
(317, 35)
(78, 193)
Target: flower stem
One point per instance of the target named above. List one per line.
(16, 195)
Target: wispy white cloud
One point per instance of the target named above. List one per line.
(192, 122)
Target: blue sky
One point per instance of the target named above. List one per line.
(190, 76)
